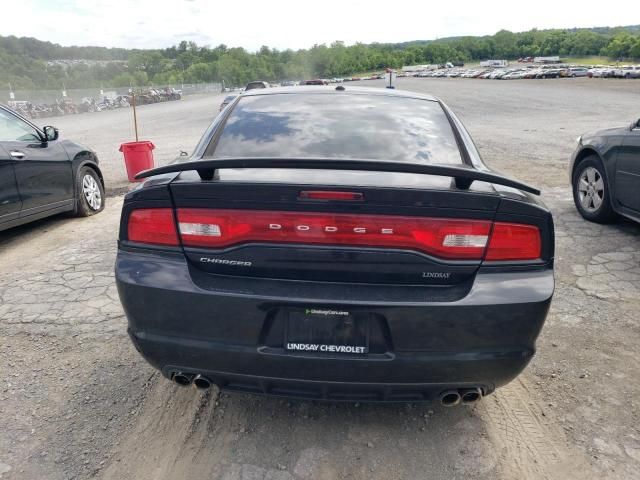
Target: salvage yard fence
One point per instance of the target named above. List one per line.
(77, 94)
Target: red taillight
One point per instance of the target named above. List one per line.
(441, 237)
(510, 241)
(153, 226)
(326, 195)
(445, 238)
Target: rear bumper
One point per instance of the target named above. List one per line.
(227, 330)
(404, 377)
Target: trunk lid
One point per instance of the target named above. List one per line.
(316, 240)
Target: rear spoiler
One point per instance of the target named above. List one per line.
(463, 175)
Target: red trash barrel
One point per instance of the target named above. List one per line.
(138, 156)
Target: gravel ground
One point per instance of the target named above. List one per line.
(77, 401)
(171, 126)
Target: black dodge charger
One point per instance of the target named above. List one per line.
(340, 244)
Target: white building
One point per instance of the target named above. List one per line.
(555, 59)
(494, 63)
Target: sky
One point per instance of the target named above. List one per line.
(293, 23)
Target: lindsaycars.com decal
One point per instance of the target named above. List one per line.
(313, 311)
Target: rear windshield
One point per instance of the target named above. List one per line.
(349, 126)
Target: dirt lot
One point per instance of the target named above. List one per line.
(171, 126)
(77, 401)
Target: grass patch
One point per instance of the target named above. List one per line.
(591, 60)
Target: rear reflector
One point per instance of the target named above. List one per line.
(152, 226)
(441, 237)
(510, 241)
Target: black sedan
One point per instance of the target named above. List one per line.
(605, 174)
(227, 100)
(42, 175)
(256, 84)
(340, 244)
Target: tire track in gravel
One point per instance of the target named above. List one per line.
(530, 443)
(182, 433)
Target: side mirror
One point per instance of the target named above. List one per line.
(50, 133)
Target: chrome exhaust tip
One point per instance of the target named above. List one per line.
(182, 379)
(471, 395)
(201, 383)
(449, 398)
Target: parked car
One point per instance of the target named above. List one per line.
(515, 75)
(336, 243)
(531, 73)
(627, 72)
(576, 72)
(42, 175)
(605, 174)
(172, 94)
(549, 73)
(256, 84)
(317, 81)
(602, 72)
(227, 100)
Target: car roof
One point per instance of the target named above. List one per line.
(341, 90)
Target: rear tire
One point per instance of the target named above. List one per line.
(591, 191)
(89, 192)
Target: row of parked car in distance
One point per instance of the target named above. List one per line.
(314, 81)
(496, 73)
(547, 71)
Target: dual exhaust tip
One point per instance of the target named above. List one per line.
(466, 396)
(448, 398)
(185, 379)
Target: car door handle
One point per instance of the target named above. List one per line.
(16, 154)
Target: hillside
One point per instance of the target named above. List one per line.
(28, 63)
(606, 31)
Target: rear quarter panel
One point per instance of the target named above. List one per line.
(606, 145)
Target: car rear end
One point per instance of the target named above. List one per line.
(333, 284)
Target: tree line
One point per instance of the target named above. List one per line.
(27, 63)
